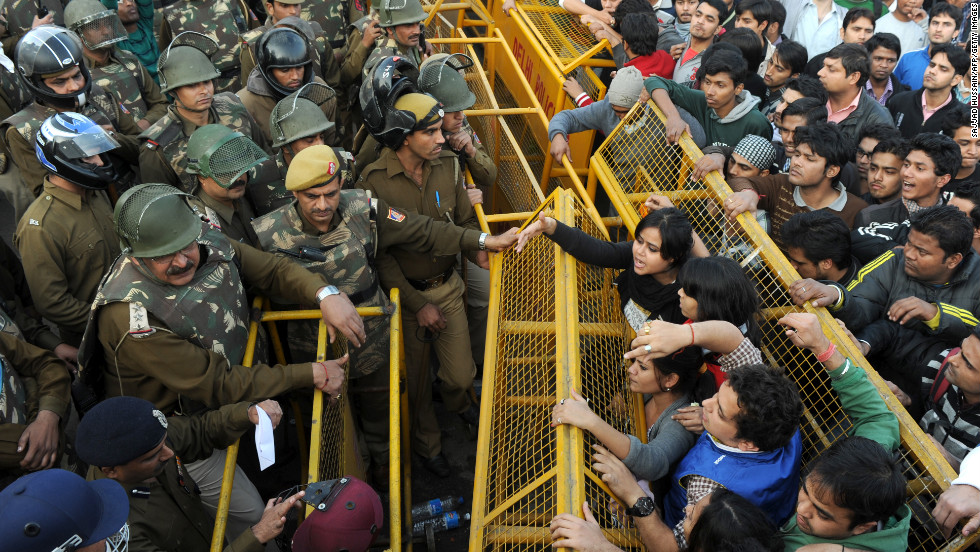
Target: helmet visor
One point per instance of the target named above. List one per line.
(87, 145)
(100, 30)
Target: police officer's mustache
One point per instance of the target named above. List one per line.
(178, 270)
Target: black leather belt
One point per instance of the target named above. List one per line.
(364, 294)
(431, 283)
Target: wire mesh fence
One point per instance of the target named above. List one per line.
(554, 326)
(636, 161)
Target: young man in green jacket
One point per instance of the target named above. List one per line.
(725, 110)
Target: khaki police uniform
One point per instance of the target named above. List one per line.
(67, 242)
(426, 279)
(234, 221)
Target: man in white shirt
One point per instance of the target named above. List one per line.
(900, 23)
(815, 24)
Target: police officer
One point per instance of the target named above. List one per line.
(335, 18)
(416, 174)
(336, 232)
(127, 440)
(223, 21)
(66, 238)
(170, 321)
(117, 71)
(30, 415)
(13, 98)
(326, 63)
(284, 65)
(51, 68)
(222, 159)
(297, 122)
(188, 75)
(403, 36)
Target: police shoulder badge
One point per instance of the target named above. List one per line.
(395, 215)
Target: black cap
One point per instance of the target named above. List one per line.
(119, 430)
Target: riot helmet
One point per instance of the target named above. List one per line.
(155, 219)
(222, 154)
(298, 115)
(66, 139)
(400, 12)
(46, 52)
(283, 48)
(187, 60)
(390, 79)
(94, 24)
(440, 77)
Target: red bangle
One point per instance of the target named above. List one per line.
(825, 356)
(692, 334)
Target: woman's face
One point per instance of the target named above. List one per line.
(647, 259)
(689, 305)
(692, 513)
(644, 377)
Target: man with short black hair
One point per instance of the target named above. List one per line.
(755, 16)
(845, 70)
(885, 50)
(959, 127)
(868, 138)
(774, 32)
(704, 28)
(885, 170)
(967, 200)
(818, 245)
(926, 109)
(812, 183)
(724, 109)
(944, 25)
(786, 62)
(859, 25)
(801, 113)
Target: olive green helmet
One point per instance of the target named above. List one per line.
(400, 12)
(187, 60)
(155, 219)
(222, 154)
(97, 26)
(440, 77)
(299, 115)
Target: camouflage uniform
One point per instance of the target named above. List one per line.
(180, 348)
(334, 18)
(19, 131)
(349, 247)
(130, 84)
(32, 380)
(222, 20)
(325, 62)
(18, 16)
(260, 100)
(17, 315)
(162, 155)
(481, 166)
(68, 242)
(386, 47)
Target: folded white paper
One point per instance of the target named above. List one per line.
(265, 446)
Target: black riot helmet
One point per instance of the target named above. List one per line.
(48, 51)
(391, 78)
(65, 139)
(283, 48)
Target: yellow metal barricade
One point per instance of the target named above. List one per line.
(333, 451)
(554, 325)
(548, 45)
(636, 161)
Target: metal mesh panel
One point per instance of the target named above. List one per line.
(100, 30)
(292, 118)
(233, 159)
(556, 326)
(636, 161)
(559, 29)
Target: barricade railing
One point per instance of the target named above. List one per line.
(634, 162)
(333, 451)
(554, 325)
(549, 45)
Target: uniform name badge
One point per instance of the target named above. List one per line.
(635, 315)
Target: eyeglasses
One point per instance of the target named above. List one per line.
(861, 154)
(169, 259)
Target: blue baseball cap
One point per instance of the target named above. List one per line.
(43, 511)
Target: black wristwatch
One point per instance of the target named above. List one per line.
(643, 507)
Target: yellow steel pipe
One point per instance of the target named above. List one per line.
(394, 431)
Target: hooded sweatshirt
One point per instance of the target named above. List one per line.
(742, 120)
